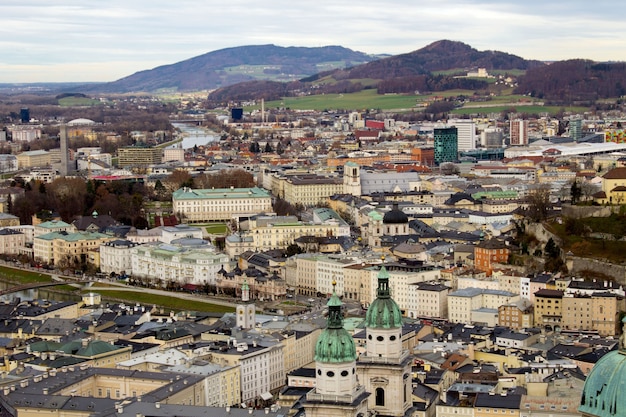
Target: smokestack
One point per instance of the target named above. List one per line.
(64, 150)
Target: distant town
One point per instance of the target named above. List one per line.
(358, 262)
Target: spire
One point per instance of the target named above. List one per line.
(383, 281)
(335, 315)
(245, 291)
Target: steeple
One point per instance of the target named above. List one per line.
(246, 310)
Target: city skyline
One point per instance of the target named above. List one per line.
(104, 41)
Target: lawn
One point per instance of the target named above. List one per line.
(23, 277)
(532, 109)
(173, 303)
(78, 102)
(216, 229)
(365, 99)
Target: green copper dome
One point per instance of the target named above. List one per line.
(335, 344)
(604, 393)
(384, 312)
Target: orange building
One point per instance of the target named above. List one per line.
(488, 253)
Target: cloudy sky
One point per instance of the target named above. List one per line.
(104, 40)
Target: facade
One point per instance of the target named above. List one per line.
(516, 316)
(613, 187)
(222, 204)
(597, 312)
(65, 249)
(12, 241)
(196, 264)
(488, 253)
(32, 159)
(548, 309)
(466, 134)
(466, 305)
(310, 189)
(428, 299)
(518, 131)
(446, 145)
(138, 156)
(116, 256)
(491, 138)
(262, 368)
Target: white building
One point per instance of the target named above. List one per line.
(194, 262)
(471, 305)
(116, 256)
(223, 204)
(466, 133)
(427, 299)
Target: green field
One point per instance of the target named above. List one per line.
(518, 109)
(173, 303)
(23, 277)
(366, 99)
(216, 229)
(78, 102)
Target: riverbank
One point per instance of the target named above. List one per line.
(116, 292)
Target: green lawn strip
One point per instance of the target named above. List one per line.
(174, 303)
(23, 277)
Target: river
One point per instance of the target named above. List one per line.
(45, 293)
(194, 135)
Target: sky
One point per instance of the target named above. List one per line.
(104, 40)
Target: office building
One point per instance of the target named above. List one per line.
(446, 144)
(518, 131)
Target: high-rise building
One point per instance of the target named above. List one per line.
(25, 115)
(466, 134)
(446, 144)
(576, 129)
(518, 132)
(491, 137)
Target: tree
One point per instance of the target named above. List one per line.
(538, 201)
(179, 178)
(67, 196)
(575, 192)
(268, 147)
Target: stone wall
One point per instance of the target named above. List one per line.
(576, 264)
(579, 212)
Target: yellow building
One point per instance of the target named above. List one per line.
(65, 249)
(548, 309)
(31, 159)
(138, 156)
(613, 187)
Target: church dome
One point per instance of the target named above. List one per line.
(604, 393)
(395, 216)
(384, 312)
(335, 344)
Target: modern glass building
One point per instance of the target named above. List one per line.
(446, 145)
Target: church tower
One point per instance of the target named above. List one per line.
(246, 310)
(385, 368)
(352, 179)
(337, 391)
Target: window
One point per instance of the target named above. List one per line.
(380, 397)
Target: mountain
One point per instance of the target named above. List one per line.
(575, 80)
(440, 56)
(233, 65)
(405, 73)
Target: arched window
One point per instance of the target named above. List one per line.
(380, 397)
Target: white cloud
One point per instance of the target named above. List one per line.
(69, 40)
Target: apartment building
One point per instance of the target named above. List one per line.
(548, 308)
(428, 299)
(135, 156)
(471, 305)
(516, 315)
(116, 256)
